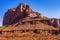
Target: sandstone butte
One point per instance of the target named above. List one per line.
(22, 23)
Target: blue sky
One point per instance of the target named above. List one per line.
(49, 8)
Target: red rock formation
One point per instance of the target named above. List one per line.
(14, 14)
(55, 22)
(28, 25)
(8, 16)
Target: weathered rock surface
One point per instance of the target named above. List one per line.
(15, 14)
(22, 23)
(55, 22)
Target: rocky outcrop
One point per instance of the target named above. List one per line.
(52, 22)
(15, 14)
(8, 16)
(22, 23)
(55, 22)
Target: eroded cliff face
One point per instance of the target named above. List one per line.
(8, 16)
(22, 23)
(15, 14)
(55, 22)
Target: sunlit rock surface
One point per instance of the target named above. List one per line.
(22, 23)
